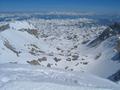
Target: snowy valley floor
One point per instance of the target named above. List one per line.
(27, 77)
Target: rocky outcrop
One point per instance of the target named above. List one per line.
(117, 48)
(4, 27)
(34, 62)
(34, 32)
(115, 77)
(10, 47)
(112, 30)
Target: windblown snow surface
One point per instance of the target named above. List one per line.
(56, 52)
(26, 77)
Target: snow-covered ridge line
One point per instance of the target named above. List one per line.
(20, 25)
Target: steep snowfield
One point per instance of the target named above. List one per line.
(22, 42)
(105, 65)
(26, 77)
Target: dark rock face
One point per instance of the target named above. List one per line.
(49, 65)
(115, 77)
(4, 27)
(118, 46)
(116, 57)
(42, 59)
(112, 30)
(66, 67)
(57, 59)
(85, 63)
(33, 62)
(68, 59)
(75, 57)
(98, 56)
(10, 47)
(34, 32)
(85, 42)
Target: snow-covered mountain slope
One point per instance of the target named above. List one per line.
(80, 44)
(33, 41)
(26, 77)
(106, 43)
